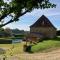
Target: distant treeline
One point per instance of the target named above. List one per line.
(7, 32)
(58, 33)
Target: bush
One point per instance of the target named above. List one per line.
(5, 41)
(19, 36)
(27, 48)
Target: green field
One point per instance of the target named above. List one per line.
(12, 49)
(17, 48)
(46, 45)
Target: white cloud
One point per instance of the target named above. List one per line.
(28, 19)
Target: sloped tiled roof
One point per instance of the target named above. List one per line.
(43, 22)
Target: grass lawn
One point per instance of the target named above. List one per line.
(12, 49)
(46, 46)
(5, 38)
(17, 48)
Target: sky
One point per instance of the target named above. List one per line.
(53, 14)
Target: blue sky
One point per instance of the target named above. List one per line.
(53, 14)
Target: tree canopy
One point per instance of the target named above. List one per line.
(17, 8)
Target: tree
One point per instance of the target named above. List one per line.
(8, 32)
(58, 33)
(17, 8)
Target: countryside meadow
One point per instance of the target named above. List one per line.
(30, 29)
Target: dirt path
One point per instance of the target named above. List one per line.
(53, 55)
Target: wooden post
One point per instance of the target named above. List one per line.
(26, 41)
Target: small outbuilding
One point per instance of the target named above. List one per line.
(43, 28)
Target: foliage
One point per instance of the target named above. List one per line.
(18, 48)
(17, 31)
(45, 45)
(58, 33)
(22, 36)
(1, 29)
(17, 8)
(7, 32)
(11, 33)
(2, 51)
(4, 41)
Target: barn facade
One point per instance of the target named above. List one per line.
(43, 28)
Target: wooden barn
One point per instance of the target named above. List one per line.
(43, 28)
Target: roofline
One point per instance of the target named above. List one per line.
(49, 21)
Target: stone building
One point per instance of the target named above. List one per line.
(43, 28)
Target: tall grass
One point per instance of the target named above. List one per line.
(12, 49)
